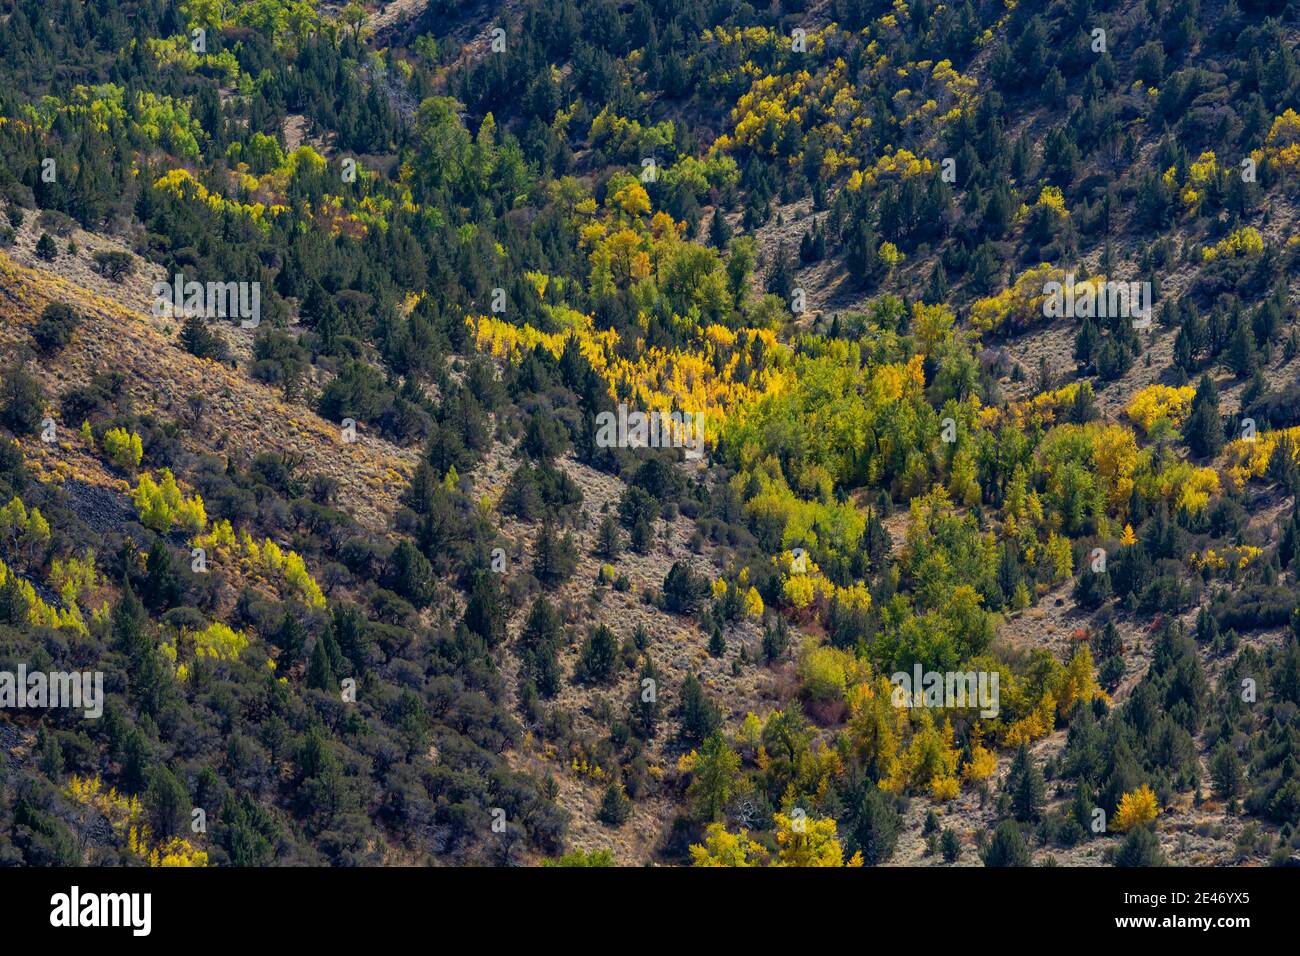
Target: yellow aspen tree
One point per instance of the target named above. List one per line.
(1136, 808)
(805, 842)
(721, 848)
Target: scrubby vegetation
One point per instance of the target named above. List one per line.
(829, 230)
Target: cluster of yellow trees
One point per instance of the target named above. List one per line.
(703, 376)
(906, 748)
(1201, 173)
(892, 166)
(39, 613)
(216, 641)
(25, 531)
(1249, 457)
(20, 527)
(751, 602)
(797, 92)
(127, 818)
(912, 753)
(1237, 557)
(711, 374)
(182, 184)
(263, 172)
(803, 584)
(1161, 405)
(799, 842)
(1020, 304)
(265, 561)
(123, 448)
(713, 371)
(161, 504)
(159, 120)
(1282, 144)
(1244, 243)
(74, 577)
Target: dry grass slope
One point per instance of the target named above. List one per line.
(240, 417)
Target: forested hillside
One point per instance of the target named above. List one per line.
(973, 323)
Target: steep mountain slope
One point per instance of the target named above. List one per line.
(483, 632)
(234, 415)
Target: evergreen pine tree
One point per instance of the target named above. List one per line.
(717, 642)
(1204, 428)
(950, 845)
(539, 647)
(698, 715)
(615, 807)
(1008, 847)
(644, 707)
(873, 827)
(1141, 848)
(554, 558)
(290, 637)
(199, 340)
(1026, 786)
(320, 671)
(597, 659)
(609, 541)
(13, 603)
